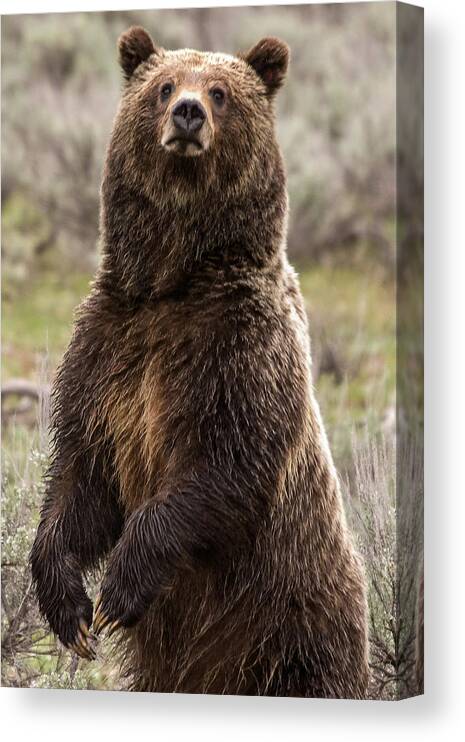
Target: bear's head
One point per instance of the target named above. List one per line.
(194, 176)
(189, 118)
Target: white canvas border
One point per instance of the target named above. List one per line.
(439, 714)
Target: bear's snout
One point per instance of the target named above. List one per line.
(189, 115)
(188, 130)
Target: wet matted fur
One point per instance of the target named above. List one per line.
(188, 445)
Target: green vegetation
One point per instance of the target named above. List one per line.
(38, 322)
(352, 320)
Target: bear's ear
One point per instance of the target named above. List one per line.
(134, 47)
(270, 60)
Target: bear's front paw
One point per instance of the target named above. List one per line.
(72, 625)
(130, 582)
(81, 643)
(115, 608)
(62, 598)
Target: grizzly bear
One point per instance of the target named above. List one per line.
(188, 447)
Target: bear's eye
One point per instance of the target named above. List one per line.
(218, 96)
(166, 91)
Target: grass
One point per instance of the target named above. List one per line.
(353, 313)
(38, 320)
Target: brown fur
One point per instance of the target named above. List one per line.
(188, 442)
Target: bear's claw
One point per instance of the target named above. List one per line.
(81, 644)
(114, 626)
(101, 620)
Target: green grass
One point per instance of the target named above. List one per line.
(38, 320)
(355, 312)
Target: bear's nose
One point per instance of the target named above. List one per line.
(189, 115)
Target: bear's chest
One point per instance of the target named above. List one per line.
(133, 422)
(129, 409)
(165, 376)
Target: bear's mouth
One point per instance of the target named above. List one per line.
(184, 145)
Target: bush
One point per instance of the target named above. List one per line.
(386, 514)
